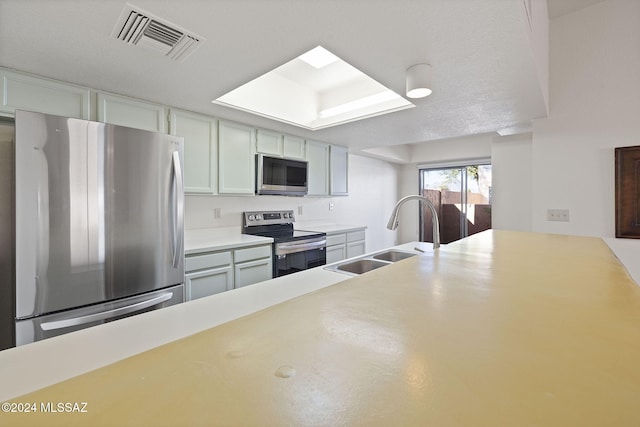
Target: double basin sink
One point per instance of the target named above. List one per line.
(367, 263)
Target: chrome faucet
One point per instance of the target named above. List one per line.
(393, 221)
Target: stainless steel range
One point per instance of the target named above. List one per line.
(293, 250)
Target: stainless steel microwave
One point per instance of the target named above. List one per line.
(281, 176)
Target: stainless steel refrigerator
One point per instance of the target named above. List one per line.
(99, 213)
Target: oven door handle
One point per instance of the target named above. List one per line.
(293, 248)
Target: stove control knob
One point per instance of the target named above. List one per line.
(286, 215)
(258, 217)
(250, 217)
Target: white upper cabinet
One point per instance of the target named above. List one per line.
(276, 144)
(268, 142)
(293, 147)
(236, 158)
(23, 92)
(339, 166)
(317, 154)
(123, 111)
(200, 150)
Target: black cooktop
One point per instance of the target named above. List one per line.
(275, 224)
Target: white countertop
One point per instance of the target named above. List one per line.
(328, 228)
(216, 239)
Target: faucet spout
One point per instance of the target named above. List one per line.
(393, 220)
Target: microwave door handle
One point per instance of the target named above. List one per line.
(107, 314)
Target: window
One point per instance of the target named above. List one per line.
(462, 198)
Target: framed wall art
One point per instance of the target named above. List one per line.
(627, 171)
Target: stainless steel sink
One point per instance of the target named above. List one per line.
(366, 263)
(393, 255)
(360, 266)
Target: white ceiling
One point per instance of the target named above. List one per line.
(483, 71)
(558, 8)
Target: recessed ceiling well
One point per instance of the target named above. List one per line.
(316, 90)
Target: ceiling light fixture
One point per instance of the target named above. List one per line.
(319, 57)
(419, 81)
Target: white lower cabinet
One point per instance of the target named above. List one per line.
(248, 273)
(208, 282)
(207, 274)
(252, 265)
(336, 253)
(356, 245)
(343, 245)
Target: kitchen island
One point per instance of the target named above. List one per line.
(499, 329)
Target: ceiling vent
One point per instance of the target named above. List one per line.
(140, 28)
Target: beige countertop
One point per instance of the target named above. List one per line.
(499, 329)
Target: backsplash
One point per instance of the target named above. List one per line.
(225, 211)
(373, 191)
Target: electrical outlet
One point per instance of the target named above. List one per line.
(561, 215)
(299, 210)
(330, 206)
(217, 213)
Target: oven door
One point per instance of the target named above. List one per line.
(291, 257)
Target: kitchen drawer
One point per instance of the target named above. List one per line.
(354, 236)
(336, 239)
(210, 260)
(248, 254)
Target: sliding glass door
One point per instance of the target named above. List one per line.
(462, 198)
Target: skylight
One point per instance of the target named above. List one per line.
(316, 90)
(319, 57)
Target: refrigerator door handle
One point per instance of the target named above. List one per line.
(178, 204)
(81, 320)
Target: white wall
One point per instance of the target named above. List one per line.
(594, 107)
(409, 227)
(373, 188)
(511, 182)
(453, 149)
(373, 191)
